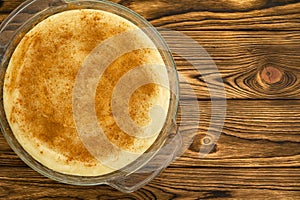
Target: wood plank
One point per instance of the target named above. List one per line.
(220, 15)
(255, 134)
(241, 57)
(173, 183)
(159, 8)
(154, 9)
(277, 18)
(209, 15)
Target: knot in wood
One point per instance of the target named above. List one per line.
(203, 144)
(271, 75)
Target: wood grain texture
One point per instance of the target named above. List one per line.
(221, 14)
(255, 134)
(240, 57)
(174, 183)
(209, 14)
(255, 44)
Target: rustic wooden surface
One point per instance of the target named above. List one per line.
(258, 153)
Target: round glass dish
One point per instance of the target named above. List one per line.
(163, 150)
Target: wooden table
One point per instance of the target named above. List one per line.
(256, 47)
